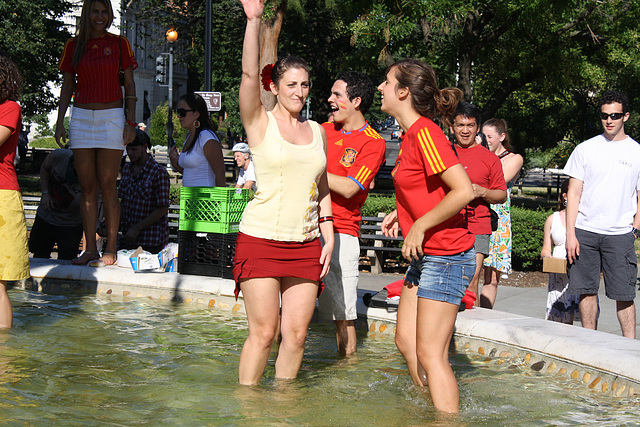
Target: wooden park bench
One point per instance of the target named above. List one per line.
(374, 243)
(541, 178)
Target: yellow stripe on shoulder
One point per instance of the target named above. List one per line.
(372, 133)
(430, 151)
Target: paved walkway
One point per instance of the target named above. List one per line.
(530, 302)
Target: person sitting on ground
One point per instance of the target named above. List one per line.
(485, 171)
(144, 199)
(58, 219)
(247, 175)
(561, 305)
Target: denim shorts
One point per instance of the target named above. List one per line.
(442, 277)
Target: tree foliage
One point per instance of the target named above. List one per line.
(158, 128)
(33, 35)
(540, 64)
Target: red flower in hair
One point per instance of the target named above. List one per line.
(265, 76)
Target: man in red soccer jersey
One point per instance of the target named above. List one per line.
(485, 172)
(355, 152)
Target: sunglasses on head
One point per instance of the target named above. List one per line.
(182, 112)
(614, 116)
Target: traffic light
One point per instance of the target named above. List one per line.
(161, 69)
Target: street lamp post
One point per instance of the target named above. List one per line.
(207, 47)
(172, 36)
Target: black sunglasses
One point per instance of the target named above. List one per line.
(614, 116)
(182, 112)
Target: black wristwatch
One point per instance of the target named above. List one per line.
(636, 232)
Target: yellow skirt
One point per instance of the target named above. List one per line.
(14, 249)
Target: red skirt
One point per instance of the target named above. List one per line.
(256, 258)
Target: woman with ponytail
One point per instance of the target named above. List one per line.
(432, 187)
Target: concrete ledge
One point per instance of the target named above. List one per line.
(600, 350)
(602, 361)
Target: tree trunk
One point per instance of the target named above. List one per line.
(269, 34)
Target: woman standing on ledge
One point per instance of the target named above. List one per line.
(14, 254)
(92, 63)
(278, 258)
(431, 189)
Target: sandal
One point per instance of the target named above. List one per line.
(85, 258)
(111, 258)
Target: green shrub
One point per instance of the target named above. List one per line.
(527, 227)
(375, 204)
(158, 129)
(174, 194)
(46, 142)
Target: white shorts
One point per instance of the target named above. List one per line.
(97, 129)
(338, 300)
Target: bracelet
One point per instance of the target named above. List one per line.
(135, 98)
(636, 232)
(133, 124)
(325, 219)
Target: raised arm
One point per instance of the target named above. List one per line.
(252, 112)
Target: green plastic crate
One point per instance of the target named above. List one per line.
(212, 209)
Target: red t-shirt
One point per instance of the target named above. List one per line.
(357, 155)
(424, 154)
(11, 117)
(98, 73)
(484, 169)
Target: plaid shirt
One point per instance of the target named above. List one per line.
(139, 197)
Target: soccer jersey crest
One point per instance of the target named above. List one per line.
(348, 157)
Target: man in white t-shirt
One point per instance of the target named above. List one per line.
(247, 175)
(602, 216)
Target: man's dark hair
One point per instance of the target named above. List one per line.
(469, 111)
(142, 138)
(359, 86)
(611, 96)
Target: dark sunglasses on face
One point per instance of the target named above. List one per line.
(182, 112)
(614, 116)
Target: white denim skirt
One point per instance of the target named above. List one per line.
(97, 128)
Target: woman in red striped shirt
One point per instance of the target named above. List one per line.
(431, 189)
(91, 64)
